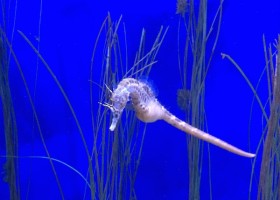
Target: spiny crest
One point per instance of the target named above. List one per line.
(150, 83)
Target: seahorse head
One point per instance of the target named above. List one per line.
(119, 99)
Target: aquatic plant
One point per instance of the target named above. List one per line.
(34, 113)
(11, 172)
(268, 184)
(193, 60)
(117, 162)
(113, 159)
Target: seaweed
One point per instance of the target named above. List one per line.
(10, 126)
(114, 158)
(190, 97)
(11, 165)
(117, 158)
(268, 183)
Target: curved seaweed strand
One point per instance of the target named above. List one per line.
(45, 64)
(269, 180)
(55, 160)
(94, 126)
(34, 112)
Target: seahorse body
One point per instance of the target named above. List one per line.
(148, 109)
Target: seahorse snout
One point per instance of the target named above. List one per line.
(115, 119)
(113, 124)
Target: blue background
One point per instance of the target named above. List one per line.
(68, 31)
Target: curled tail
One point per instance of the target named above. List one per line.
(187, 128)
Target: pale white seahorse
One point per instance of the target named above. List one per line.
(149, 109)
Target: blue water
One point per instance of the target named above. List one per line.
(67, 33)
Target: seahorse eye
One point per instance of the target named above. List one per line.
(115, 119)
(117, 105)
(117, 102)
(116, 115)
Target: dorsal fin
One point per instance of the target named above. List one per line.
(150, 83)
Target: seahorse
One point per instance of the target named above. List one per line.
(148, 109)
